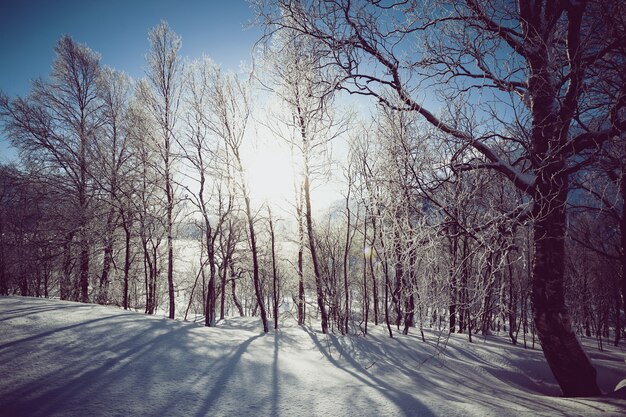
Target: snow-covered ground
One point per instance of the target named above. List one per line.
(63, 358)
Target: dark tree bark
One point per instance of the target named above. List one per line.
(258, 289)
(453, 240)
(411, 288)
(366, 300)
(162, 98)
(275, 285)
(107, 257)
(567, 360)
(560, 55)
(234, 290)
(622, 226)
(314, 257)
(127, 260)
(373, 254)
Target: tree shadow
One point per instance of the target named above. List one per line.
(144, 365)
(406, 402)
(59, 330)
(221, 378)
(23, 309)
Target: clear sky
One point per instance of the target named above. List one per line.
(118, 30)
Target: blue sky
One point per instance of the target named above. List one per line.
(118, 30)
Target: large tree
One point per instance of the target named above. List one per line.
(505, 72)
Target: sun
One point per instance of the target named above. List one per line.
(269, 172)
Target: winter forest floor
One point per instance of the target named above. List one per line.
(63, 358)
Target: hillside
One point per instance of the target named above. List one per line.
(63, 358)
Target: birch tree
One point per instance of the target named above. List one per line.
(161, 95)
(207, 159)
(230, 109)
(310, 124)
(112, 157)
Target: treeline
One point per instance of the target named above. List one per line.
(502, 211)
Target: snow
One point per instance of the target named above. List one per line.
(70, 359)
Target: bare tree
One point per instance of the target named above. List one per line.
(56, 128)
(275, 282)
(112, 156)
(310, 124)
(533, 58)
(161, 95)
(204, 153)
(229, 104)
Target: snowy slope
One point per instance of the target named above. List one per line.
(62, 358)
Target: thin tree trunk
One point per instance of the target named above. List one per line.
(223, 287)
(126, 262)
(371, 266)
(255, 262)
(315, 261)
(622, 225)
(146, 263)
(366, 300)
(301, 300)
(453, 276)
(274, 271)
(4, 288)
(346, 252)
(107, 258)
(211, 298)
(512, 303)
(234, 290)
(409, 309)
(387, 284)
(170, 254)
(399, 270)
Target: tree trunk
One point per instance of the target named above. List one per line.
(170, 256)
(274, 271)
(411, 287)
(255, 262)
(126, 263)
(223, 287)
(623, 237)
(211, 297)
(564, 354)
(300, 220)
(84, 268)
(4, 288)
(234, 291)
(512, 303)
(146, 263)
(64, 284)
(301, 300)
(346, 252)
(399, 269)
(366, 300)
(371, 266)
(453, 276)
(107, 259)
(315, 261)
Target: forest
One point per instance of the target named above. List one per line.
(478, 151)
